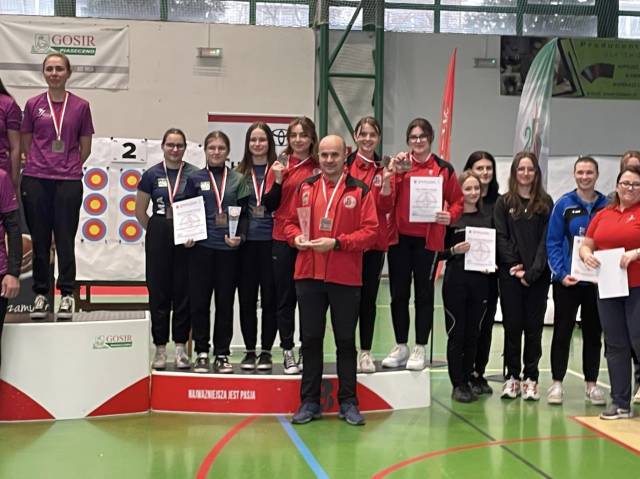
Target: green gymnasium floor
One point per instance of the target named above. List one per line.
(491, 438)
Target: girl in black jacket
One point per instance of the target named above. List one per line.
(521, 218)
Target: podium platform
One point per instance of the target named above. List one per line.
(274, 392)
(95, 365)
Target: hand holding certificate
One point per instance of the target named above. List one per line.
(189, 221)
(579, 270)
(613, 281)
(482, 254)
(425, 199)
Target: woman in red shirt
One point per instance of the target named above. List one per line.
(618, 226)
(365, 165)
(296, 163)
(416, 235)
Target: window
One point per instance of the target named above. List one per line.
(630, 5)
(140, 10)
(339, 18)
(282, 15)
(478, 22)
(560, 25)
(406, 20)
(629, 27)
(209, 11)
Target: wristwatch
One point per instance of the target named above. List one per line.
(336, 245)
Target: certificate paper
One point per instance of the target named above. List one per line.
(189, 220)
(482, 254)
(578, 269)
(425, 198)
(612, 279)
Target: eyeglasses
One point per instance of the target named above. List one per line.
(630, 185)
(175, 146)
(416, 138)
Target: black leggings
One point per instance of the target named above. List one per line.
(372, 263)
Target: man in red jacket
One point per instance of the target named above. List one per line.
(342, 225)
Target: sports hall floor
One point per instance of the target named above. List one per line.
(490, 438)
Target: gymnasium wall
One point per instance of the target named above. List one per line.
(169, 86)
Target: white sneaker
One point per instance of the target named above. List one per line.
(530, 390)
(510, 389)
(160, 358)
(397, 358)
(182, 360)
(290, 365)
(417, 361)
(636, 398)
(365, 362)
(555, 394)
(596, 396)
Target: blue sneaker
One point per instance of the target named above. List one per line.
(350, 413)
(308, 412)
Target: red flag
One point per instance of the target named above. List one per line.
(447, 110)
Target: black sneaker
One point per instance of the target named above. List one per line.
(65, 311)
(351, 414)
(463, 394)
(479, 386)
(40, 307)
(300, 362)
(307, 413)
(221, 365)
(265, 363)
(615, 412)
(202, 363)
(249, 361)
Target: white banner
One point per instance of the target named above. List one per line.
(99, 55)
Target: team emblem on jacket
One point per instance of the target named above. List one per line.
(305, 197)
(349, 202)
(205, 186)
(377, 180)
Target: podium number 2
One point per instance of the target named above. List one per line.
(130, 151)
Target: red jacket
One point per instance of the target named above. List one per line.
(452, 196)
(295, 173)
(354, 225)
(371, 175)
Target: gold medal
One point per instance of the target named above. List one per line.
(326, 224)
(57, 146)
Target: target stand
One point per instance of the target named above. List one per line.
(274, 392)
(95, 365)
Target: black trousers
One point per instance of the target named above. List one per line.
(372, 263)
(314, 298)
(52, 206)
(523, 310)
(3, 312)
(621, 326)
(566, 302)
(409, 259)
(256, 272)
(464, 295)
(167, 281)
(284, 263)
(212, 270)
(486, 327)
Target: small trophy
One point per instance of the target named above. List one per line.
(234, 216)
(304, 218)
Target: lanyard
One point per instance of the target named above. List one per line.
(219, 194)
(333, 194)
(173, 190)
(366, 160)
(259, 191)
(299, 164)
(413, 158)
(57, 122)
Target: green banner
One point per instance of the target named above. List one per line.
(587, 67)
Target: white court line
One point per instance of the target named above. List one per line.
(578, 375)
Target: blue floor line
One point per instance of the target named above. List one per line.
(311, 461)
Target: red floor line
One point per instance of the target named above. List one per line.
(467, 447)
(606, 436)
(203, 470)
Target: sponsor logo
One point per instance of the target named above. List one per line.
(205, 186)
(631, 218)
(377, 180)
(64, 43)
(113, 341)
(349, 202)
(222, 394)
(305, 198)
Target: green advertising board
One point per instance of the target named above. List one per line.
(586, 67)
